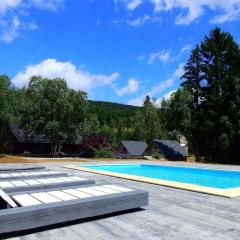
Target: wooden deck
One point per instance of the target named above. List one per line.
(171, 214)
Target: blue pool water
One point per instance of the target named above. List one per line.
(203, 177)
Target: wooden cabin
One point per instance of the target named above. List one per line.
(17, 141)
(131, 149)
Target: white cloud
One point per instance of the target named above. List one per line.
(163, 56)
(229, 16)
(230, 9)
(132, 87)
(52, 5)
(8, 4)
(11, 28)
(137, 101)
(77, 78)
(132, 4)
(15, 14)
(143, 20)
(165, 96)
(141, 57)
(162, 86)
(169, 94)
(137, 22)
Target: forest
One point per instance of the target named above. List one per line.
(205, 109)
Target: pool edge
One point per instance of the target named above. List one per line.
(229, 193)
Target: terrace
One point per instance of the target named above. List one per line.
(171, 213)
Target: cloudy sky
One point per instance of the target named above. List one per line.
(116, 50)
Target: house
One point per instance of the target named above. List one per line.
(131, 149)
(170, 149)
(15, 140)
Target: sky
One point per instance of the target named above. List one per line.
(115, 50)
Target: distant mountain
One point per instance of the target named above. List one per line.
(108, 111)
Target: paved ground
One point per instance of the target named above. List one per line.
(171, 214)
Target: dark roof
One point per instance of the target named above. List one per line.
(135, 148)
(23, 137)
(171, 149)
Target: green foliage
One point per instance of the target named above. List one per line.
(113, 120)
(157, 154)
(91, 125)
(206, 109)
(4, 99)
(212, 76)
(102, 153)
(148, 123)
(176, 114)
(51, 108)
(108, 112)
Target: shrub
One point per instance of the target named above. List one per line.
(157, 154)
(90, 144)
(102, 153)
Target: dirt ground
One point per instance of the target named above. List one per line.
(17, 159)
(8, 159)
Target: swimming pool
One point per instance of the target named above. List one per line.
(218, 182)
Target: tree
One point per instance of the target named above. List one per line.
(91, 126)
(176, 113)
(51, 108)
(147, 122)
(212, 75)
(4, 100)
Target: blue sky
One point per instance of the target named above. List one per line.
(115, 50)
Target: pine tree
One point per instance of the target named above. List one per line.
(212, 74)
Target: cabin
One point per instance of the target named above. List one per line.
(17, 141)
(171, 150)
(131, 149)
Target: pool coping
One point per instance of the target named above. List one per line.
(229, 193)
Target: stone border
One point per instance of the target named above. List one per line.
(229, 193)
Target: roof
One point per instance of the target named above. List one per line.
(135, 148)
(23, 137)
(171, 149)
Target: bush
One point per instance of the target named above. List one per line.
(102, 153)
(157, 154)
(92, 144)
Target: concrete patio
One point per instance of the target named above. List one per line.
(171, 214)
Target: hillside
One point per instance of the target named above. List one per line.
(108, 111)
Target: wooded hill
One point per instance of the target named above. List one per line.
(108, 111)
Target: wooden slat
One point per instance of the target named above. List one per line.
(62, 195)
(55, 180)
(19, 183)
(4, 175)
(91, 191)
(45, 197)
(26, 200)
(44, 181)
(6, 184)
(118, 188)
(76, 178)
(77, 193)
(32, 182)
(7, 199)
(106, 190)
(15, 174)
(67, 179)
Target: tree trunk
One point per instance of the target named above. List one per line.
(54, 150)
(59, 148)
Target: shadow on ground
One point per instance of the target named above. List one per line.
(66, 224)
